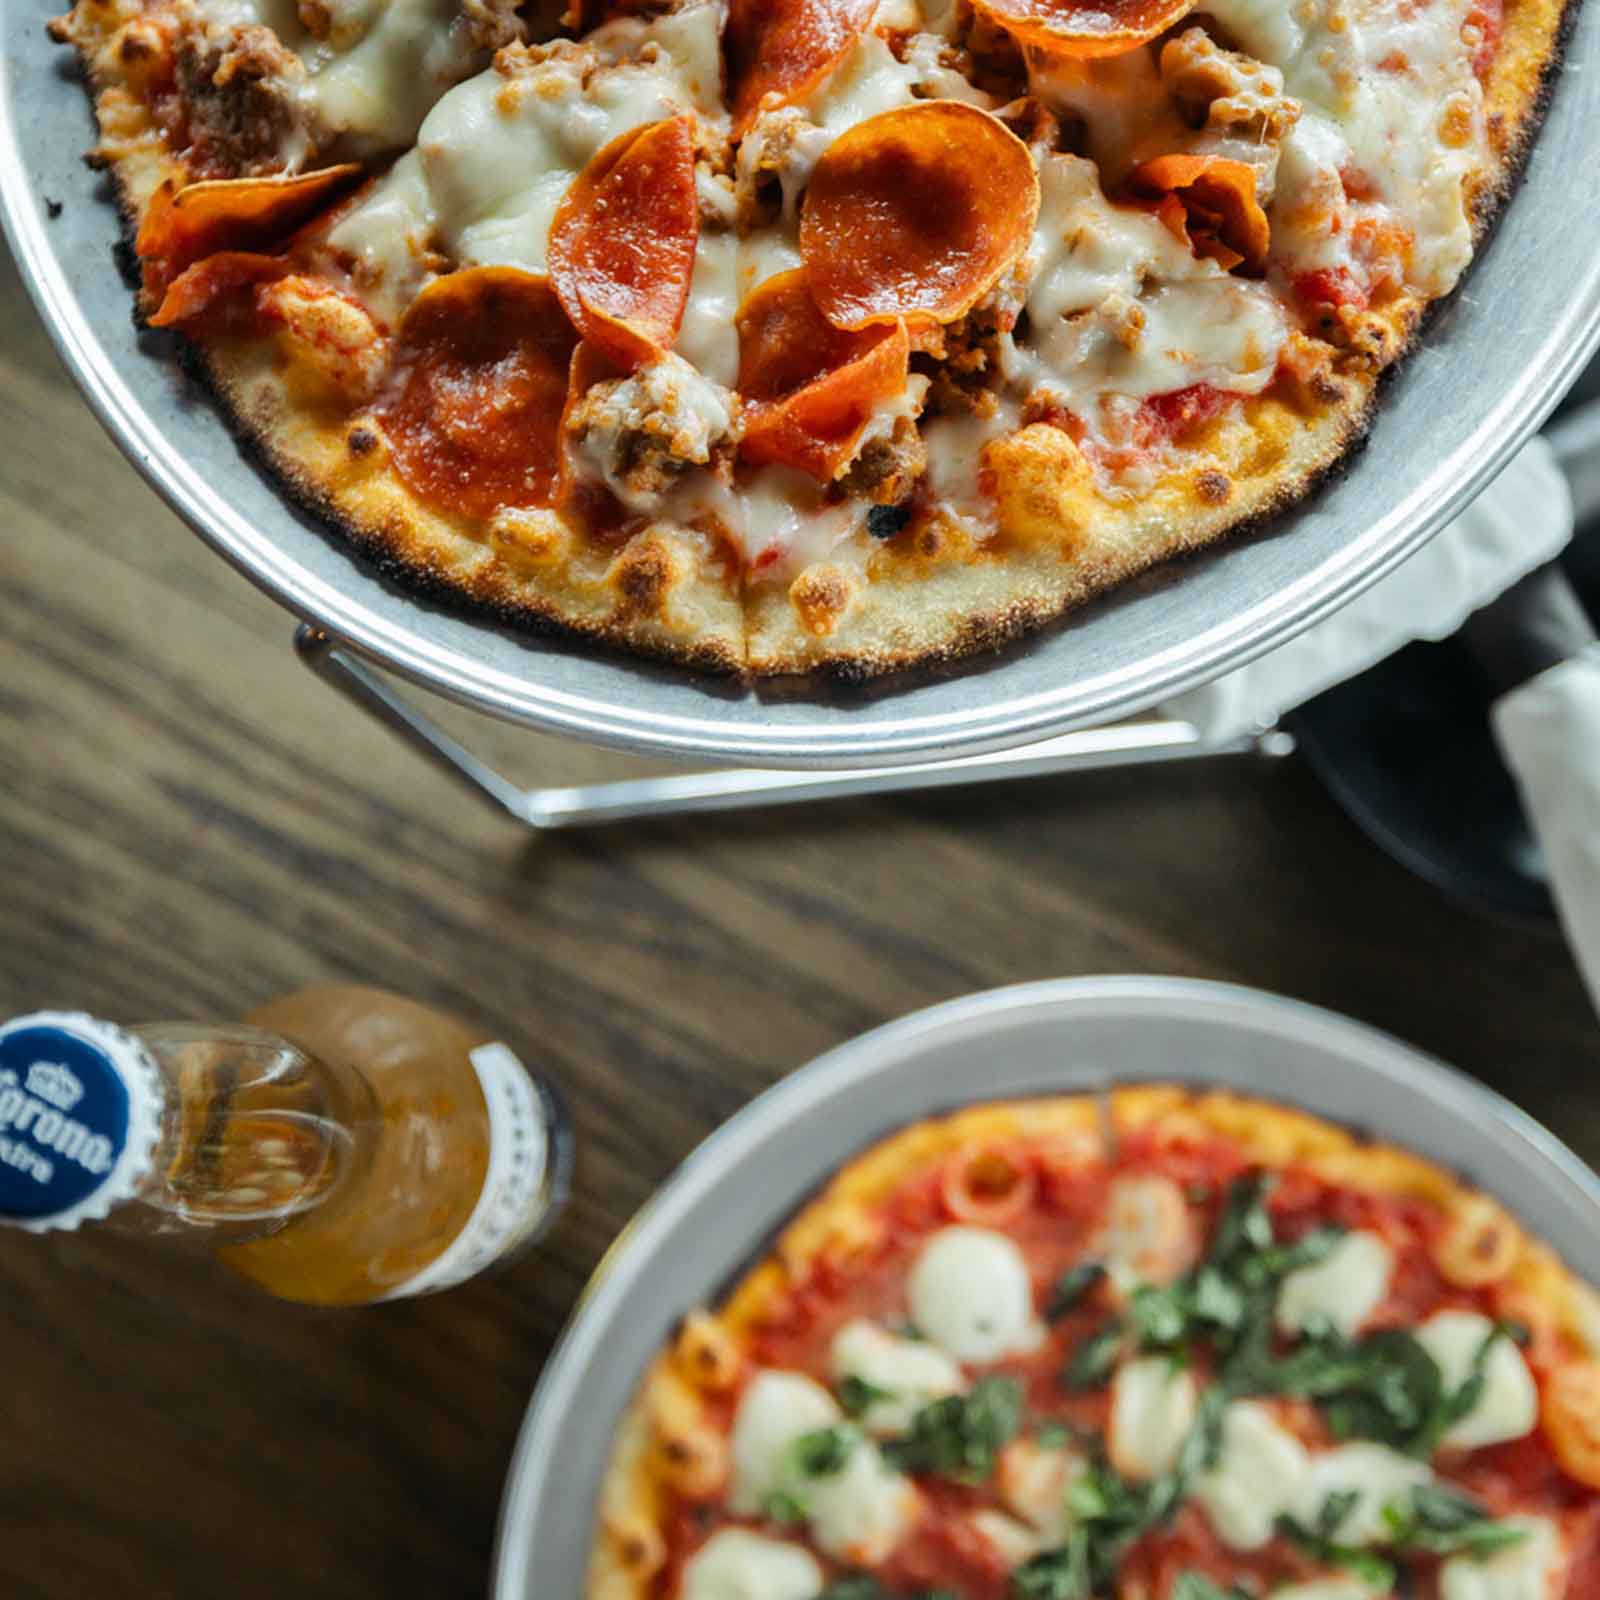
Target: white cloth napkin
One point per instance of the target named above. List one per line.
(1522, 520)
(1549, 732)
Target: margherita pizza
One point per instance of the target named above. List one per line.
(1198, 1348)
(775, 335)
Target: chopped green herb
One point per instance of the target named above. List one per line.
(1372, 1570)
(781, 1506)
(855, 1586)
(1071, 1287)
(1055, 1435)
(857, 1396)
(1195, 1586)
(824, 1453)
(961, 1435)
(1093, 1360)
(1160, 1318)
(1444, 1522)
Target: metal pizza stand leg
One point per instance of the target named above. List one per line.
(743, 788)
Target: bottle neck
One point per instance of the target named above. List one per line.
(254, 1133)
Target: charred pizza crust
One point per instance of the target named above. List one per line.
(933, 593)
(673, 1436)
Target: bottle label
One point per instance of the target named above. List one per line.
(75, 1129)
(514, 1198)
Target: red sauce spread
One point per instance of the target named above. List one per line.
(1049, 1200)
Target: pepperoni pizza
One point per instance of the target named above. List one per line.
(783, 335)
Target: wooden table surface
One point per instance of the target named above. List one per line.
(191, 824)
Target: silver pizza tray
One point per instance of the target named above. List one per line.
(719, 1212)
(1493, 363)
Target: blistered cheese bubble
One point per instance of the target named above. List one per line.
(970, 1293)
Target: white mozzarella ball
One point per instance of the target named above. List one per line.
(970, 1293)
(1508, 1407)
(735, 1564)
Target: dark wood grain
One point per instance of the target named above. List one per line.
(191, 823)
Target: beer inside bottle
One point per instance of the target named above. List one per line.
(343, 1145)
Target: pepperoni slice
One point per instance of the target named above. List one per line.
(623, 241)
(810, 389)
(915, 214)
(1086, 27)
(208, 297)
(234, 214)
(1210, 203)
(785, 48)
(481, 359)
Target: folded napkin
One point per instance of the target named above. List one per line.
(1549, 732)
(1522, 520)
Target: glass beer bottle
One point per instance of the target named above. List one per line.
(341, 1146)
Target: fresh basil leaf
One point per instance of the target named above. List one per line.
(823, 1453)
(781, 1506)
(1055, 1435)
(1442, 1521)
(1371, 1569)
(960, 1436)
(1195, 1586)
(855, 1586)
(1071, 1287)
(1335, 1509)
(1158, 1317)
(1244, 1225)
(1066, 1573)
(857, 1396)
(1093, 1360)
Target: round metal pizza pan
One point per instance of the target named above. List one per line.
(719, 1212)
(1493, 362)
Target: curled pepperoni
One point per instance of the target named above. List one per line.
(915, 214)
(1210, 203)
(209, 297)
(1086, 27)
(623, 241)
(785, 48)
(481, 359)
(228, 214)
(810, 389)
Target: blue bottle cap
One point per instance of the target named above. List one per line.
(80, 1109)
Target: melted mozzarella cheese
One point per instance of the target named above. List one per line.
(1508, 1407)
(691, 36)
(1120, 100)
(372, 80)
(500, 153)
(1340, 1291)
(862, 1512)
(1528, 1570)
(1152, 1410)
(707, 337)
(1398, 83)
(1015, 1541)
(1376, 1476)
(1118, 305)
(382, 87)
(774, 1411)
(970, 1293)
(387, 233)
(734, 1564)
(910, 1372)
(1257, 1475)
